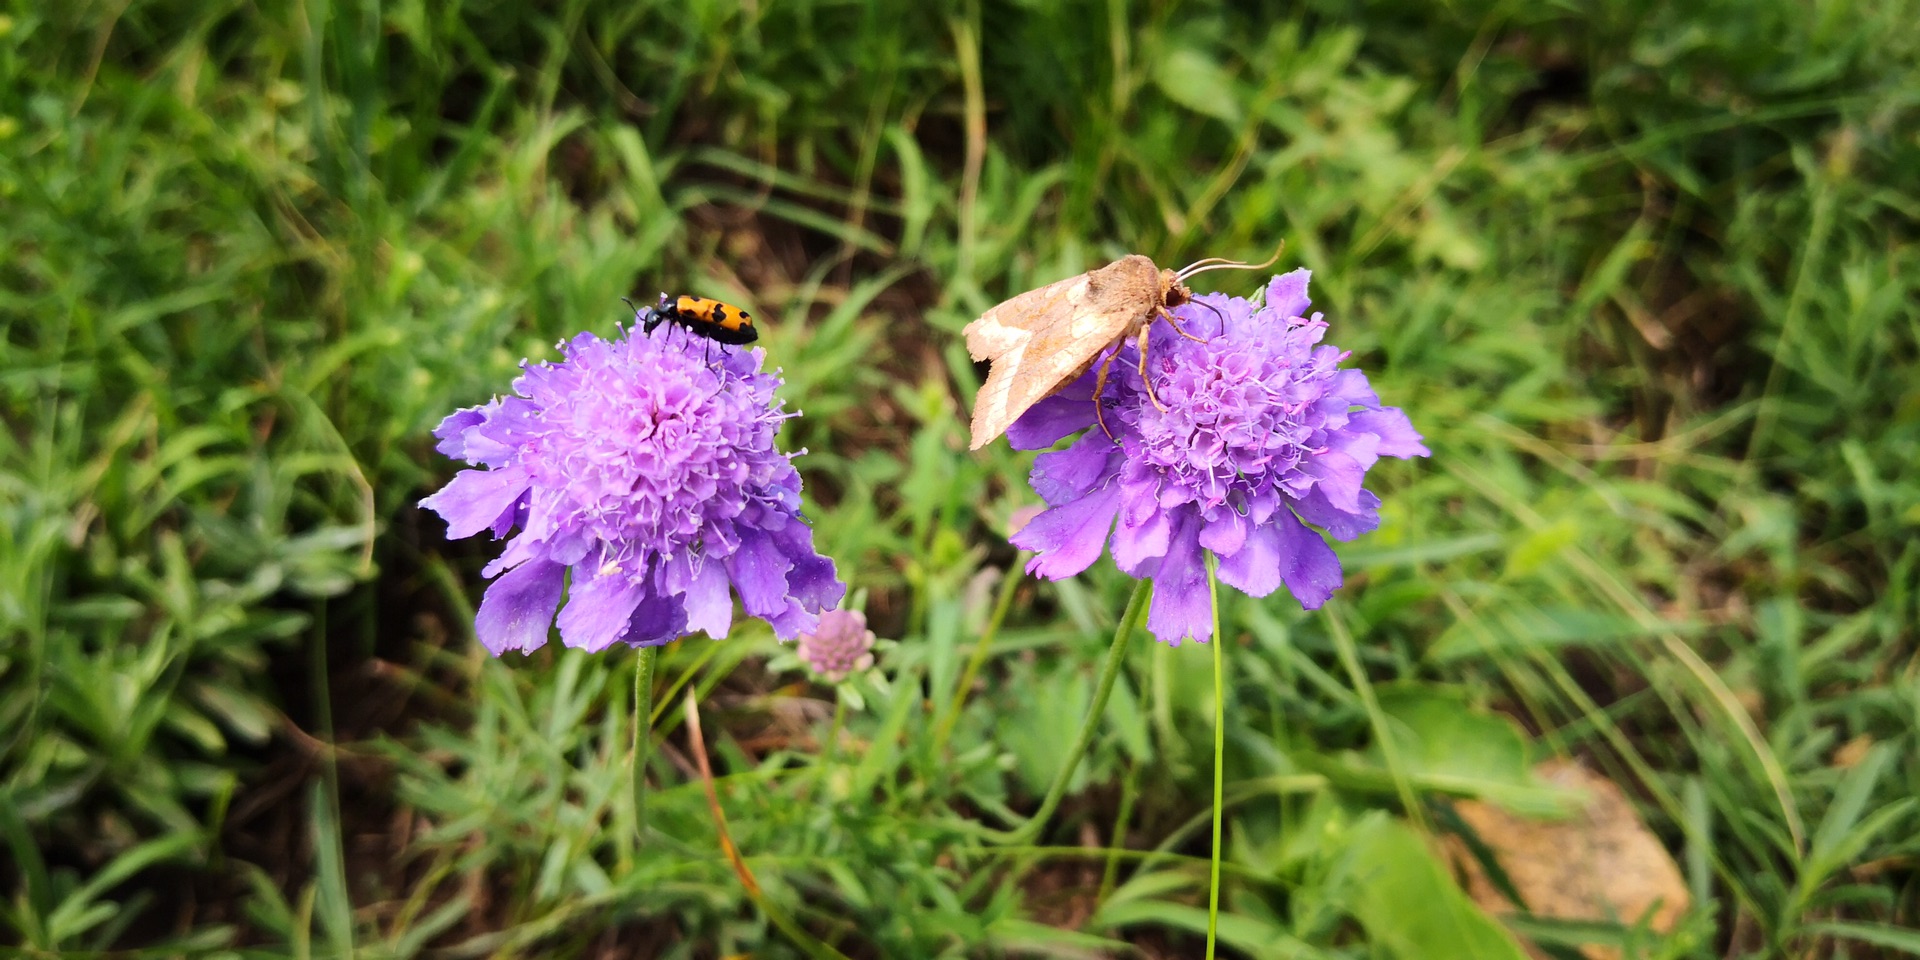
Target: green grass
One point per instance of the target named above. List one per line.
(1644, 274)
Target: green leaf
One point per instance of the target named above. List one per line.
(1196, 81)
(1446, 746)
(1407, 902)
(1880, 935)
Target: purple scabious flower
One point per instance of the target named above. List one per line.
(1263, 433)
(642, 476)
(841, 645)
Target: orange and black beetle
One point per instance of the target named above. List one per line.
(719, 322)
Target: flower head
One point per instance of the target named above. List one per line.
(1261, 431)
(643, 470)
(841, 645)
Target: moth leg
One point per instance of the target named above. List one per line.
(1144, 379)
(1175, 324)
(1100, 387)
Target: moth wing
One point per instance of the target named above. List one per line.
(1011, 325)
(1042, 338)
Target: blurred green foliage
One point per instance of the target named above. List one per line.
(1644, 273)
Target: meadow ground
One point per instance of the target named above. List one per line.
(1644, 274)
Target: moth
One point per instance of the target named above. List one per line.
(1043, 339)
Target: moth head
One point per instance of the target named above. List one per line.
(1173, 292)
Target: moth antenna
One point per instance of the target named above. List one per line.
(1222, 263)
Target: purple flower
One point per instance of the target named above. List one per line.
(842, 644)
(642, 475)
(1262, 434)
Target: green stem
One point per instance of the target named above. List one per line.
(981, 648)
(813, 946)
(1116, 655)
(824, 766)
(642, 734)
(1349, 654)
(1219, 645)
(1129, 792)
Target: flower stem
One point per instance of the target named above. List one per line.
(1116, 655)
(813, 946)
(1219, 645)
(642, 734)
(981, 647)
(828, 749)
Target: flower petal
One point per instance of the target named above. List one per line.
(1255, 568)
(1065, 474)
(1339, 477)
(1069, 537)
(660, 618)
(599, 609)
(708, 601)
(475, 499)
(517, 611)
(1342, 525)
(1065, 412)
(1181, 606)
(1287, 293)
(1226, 532)
(1308, 565)
(452, 431)
(1143, 531)
(1396, 433)
(759, 572)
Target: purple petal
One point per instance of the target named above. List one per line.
(1255, 569)
(1226, 533)
(1181, 607)
(1364, 448)
(658, 619)
(813, 581)
(1352, 386)
(474, 499)
(1341, 524)
(1308, 565)
(517, 611)
(519, 550)
(452, 431)
(708, 601)
(1143, 531)
(511, 517)
(1065, 474)
(598, 609)
(1287, 293)
(793, 621)
(1211, 315)
(1044, 423)
(1068, 538)
(759, 572)
(1396, 433)
(1339, 478)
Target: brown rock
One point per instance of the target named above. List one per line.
(1599, 865)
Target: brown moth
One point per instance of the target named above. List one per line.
(1043, 339)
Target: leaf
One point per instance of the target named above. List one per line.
(1880, 935)
(1258, 938)
(1408, 904)
(1196, 81)
(1443, 745)
(1015, 935)
(1545, 628)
